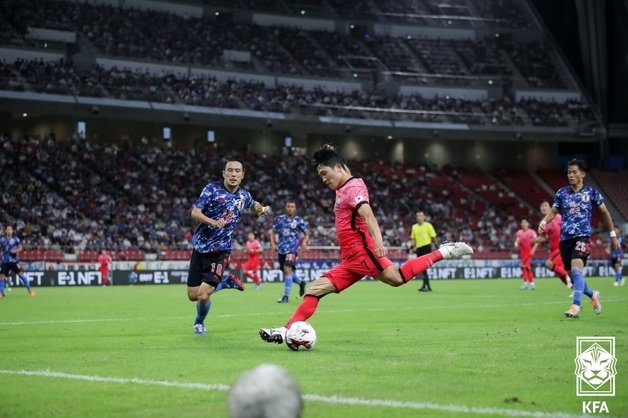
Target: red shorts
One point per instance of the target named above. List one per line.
(526, 259)
(253, 264)
(353, 268)
(555, 258)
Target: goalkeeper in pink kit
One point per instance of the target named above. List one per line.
(361, 245)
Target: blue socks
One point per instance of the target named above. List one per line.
(25, 282)
(287, 284)
(202, 309)
(579, 286)
(222, 284)
(219, 286)
(23, 279)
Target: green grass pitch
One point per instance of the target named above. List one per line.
(470, 348)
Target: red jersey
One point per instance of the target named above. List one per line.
(252, 250)
(525, 238)
(552, 232)
(104, 260)
(351, 229)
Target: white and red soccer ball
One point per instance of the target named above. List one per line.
(300, 336)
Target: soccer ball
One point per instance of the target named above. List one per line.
(300, 336)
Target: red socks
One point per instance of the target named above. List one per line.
(528, 277)
(416, 266)
(305, 310)
(254, 277)
(561, 272)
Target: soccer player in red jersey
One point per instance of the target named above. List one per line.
(253, 261)
(104, 259)
(551, 234)
(525, 240)
(361, 245)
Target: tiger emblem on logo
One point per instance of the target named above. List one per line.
(595, 366)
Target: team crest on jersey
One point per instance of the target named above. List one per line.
(239, 205)
(586, 198)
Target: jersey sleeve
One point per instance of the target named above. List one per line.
(557, 200)
(597, 197)
(357, 195)
(249, 202)
(303, 227)
(206, 196)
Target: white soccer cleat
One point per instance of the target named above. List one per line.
(199, 329)
(573, 312)
(273, 335)
(595, 302)
(454, 250)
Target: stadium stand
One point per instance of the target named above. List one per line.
(613, 185)
(63, 77)
(524, 185)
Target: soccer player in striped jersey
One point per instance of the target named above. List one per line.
(575, 204)
(10, 246)
(288, 236)
(218, 211)
(361, 245)
(616, 257)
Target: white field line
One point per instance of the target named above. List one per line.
(335, 400)
(282, 314)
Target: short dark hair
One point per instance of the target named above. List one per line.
(233, 160)
(327, 155)
(579, 163)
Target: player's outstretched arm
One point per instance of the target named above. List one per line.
(260, 210)
(608, 223)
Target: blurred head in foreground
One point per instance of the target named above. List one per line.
(267, 391)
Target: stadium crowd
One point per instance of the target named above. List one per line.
(136, 196)
(63, 77)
